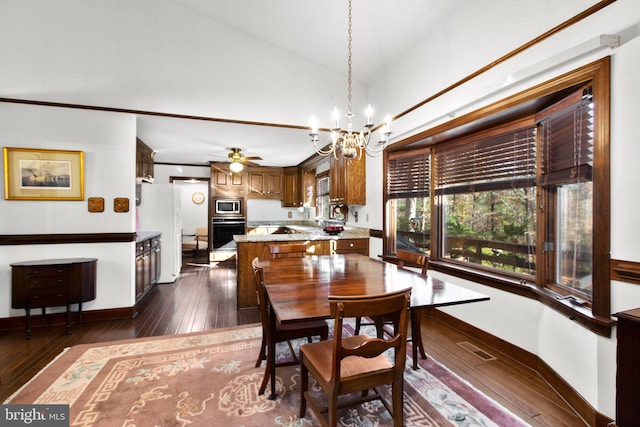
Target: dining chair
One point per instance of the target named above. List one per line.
(200, 241)
(348, 364)
(282, 332)
(288, 250)
(405, 259)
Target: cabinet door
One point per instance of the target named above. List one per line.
(140, 276)
(154, 261)
(291, 196)
(256, 184)
(308, 191)
(265, 183)
(337, 180)
(224, 183)
(274, 183)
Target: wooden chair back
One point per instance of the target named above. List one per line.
(394, 306)
(347, 364)
(288, 250)
(261, 295)
(413, 259)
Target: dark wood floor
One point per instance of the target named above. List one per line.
(204, 297)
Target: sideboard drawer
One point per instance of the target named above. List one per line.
(49, 297)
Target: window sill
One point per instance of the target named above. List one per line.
(581, 314)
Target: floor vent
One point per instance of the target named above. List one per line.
(478, 352)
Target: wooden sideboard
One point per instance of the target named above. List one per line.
(628, 369)
(52, 283)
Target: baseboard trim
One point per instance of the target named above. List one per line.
(57, 319)
(587, 412)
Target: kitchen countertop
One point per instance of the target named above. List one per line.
(301, 232)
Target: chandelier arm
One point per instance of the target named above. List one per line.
(322, 151)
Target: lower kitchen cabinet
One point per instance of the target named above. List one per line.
(148, 265)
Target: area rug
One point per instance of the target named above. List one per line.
(209, 379)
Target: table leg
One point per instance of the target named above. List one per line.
(416, 337)
(271, 355)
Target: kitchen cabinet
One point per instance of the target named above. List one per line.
(148, 252)
(292, 196)
(52, 283)
(347, 181)
(265, 183)
(226, 184)
(144, 161)
(349, 246)
(308, 190)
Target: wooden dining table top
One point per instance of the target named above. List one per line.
(298, 288)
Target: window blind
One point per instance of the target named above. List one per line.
(322, 186)
(498, 162)
(567, 142)
(408, 175)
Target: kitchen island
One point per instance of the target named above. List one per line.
(259, 236)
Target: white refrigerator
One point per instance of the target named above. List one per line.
(160, 210)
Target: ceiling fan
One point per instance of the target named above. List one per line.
(238, 159)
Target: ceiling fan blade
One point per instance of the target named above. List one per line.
(248, 163)
(252, 158)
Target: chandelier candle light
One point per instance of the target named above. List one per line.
(350, 142)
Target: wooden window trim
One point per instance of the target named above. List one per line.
(524, 104)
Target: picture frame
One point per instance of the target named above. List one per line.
(42, 174)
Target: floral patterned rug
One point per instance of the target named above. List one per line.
(209, 379)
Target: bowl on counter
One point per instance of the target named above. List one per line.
(333, 229)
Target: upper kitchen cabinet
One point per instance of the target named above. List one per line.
(347, 181)
(292, 197)
(227, 184)
(265, 183)
(308, 190)
(144, 161)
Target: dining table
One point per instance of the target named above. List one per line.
(298, 289)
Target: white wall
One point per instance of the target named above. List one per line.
(585, 360)
(108, 143)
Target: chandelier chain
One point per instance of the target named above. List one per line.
(350, 38)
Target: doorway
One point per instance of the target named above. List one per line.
(194, 206)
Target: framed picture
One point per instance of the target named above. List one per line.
(38, 174)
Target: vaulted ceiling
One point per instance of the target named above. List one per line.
(211, 74)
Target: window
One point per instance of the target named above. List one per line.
(409, 203)
(323, 207)
(486, 188)
(515, 195)
(566, 175)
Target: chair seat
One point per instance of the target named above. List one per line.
(320, 354)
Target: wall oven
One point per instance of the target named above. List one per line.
(223, 230)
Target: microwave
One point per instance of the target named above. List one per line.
(228, 207)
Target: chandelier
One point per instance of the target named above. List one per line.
(347, 141)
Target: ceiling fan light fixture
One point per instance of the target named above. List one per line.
(235, 166)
